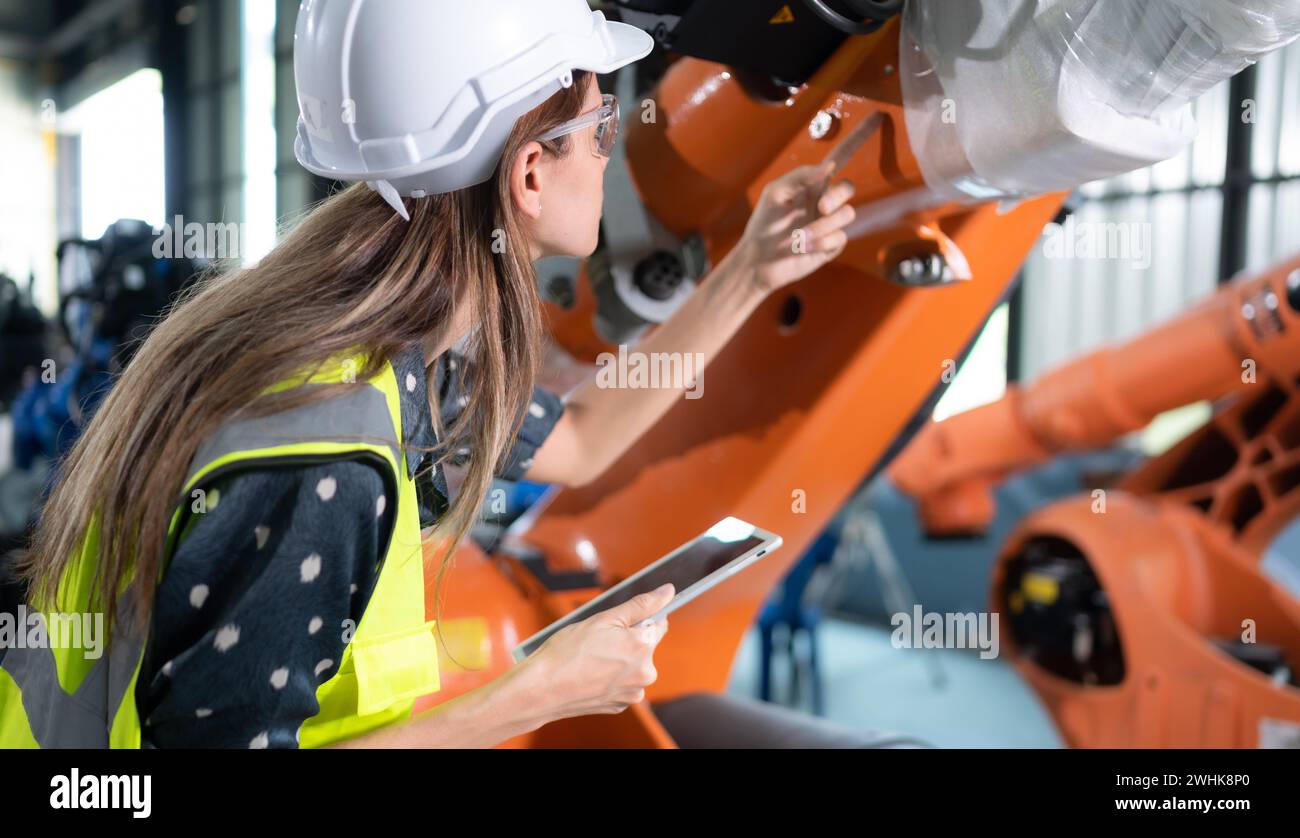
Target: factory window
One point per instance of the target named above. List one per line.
(1166, 223)
(983, 377)
(259, 144)
(121, 166)
(27, 239)
(1273, 232)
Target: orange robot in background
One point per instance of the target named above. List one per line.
(1140, 614)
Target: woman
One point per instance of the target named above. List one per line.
(247, 505)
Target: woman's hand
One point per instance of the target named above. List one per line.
(604, 663)
(797, 227)
(601, 665)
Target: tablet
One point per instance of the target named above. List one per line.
(728, 547)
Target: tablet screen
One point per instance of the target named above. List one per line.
(705, 555)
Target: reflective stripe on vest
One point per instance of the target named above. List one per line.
(56, 718)
(53, 697)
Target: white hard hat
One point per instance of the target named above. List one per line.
(418, 97)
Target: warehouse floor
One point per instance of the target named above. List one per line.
(869, 685)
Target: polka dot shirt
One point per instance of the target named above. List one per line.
(270, 580)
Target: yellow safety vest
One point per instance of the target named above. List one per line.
(56, 696)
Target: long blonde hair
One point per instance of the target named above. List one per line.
(351, 274)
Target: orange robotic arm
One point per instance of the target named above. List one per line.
(803, 402)
(810, 396)
(1232, 341)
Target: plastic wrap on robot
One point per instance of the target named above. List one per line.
(1008, 98)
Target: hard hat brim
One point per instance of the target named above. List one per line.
(630, 44)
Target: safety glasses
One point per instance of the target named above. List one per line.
(606, 120)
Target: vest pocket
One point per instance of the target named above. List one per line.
(395, 667)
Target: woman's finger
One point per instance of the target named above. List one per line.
(778, 228)
(792, 187)
(809, 175)
(829, 224)
(650, 633)
(815, 174)
(836, 197)
(833, 243)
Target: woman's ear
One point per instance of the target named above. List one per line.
(526, 180)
